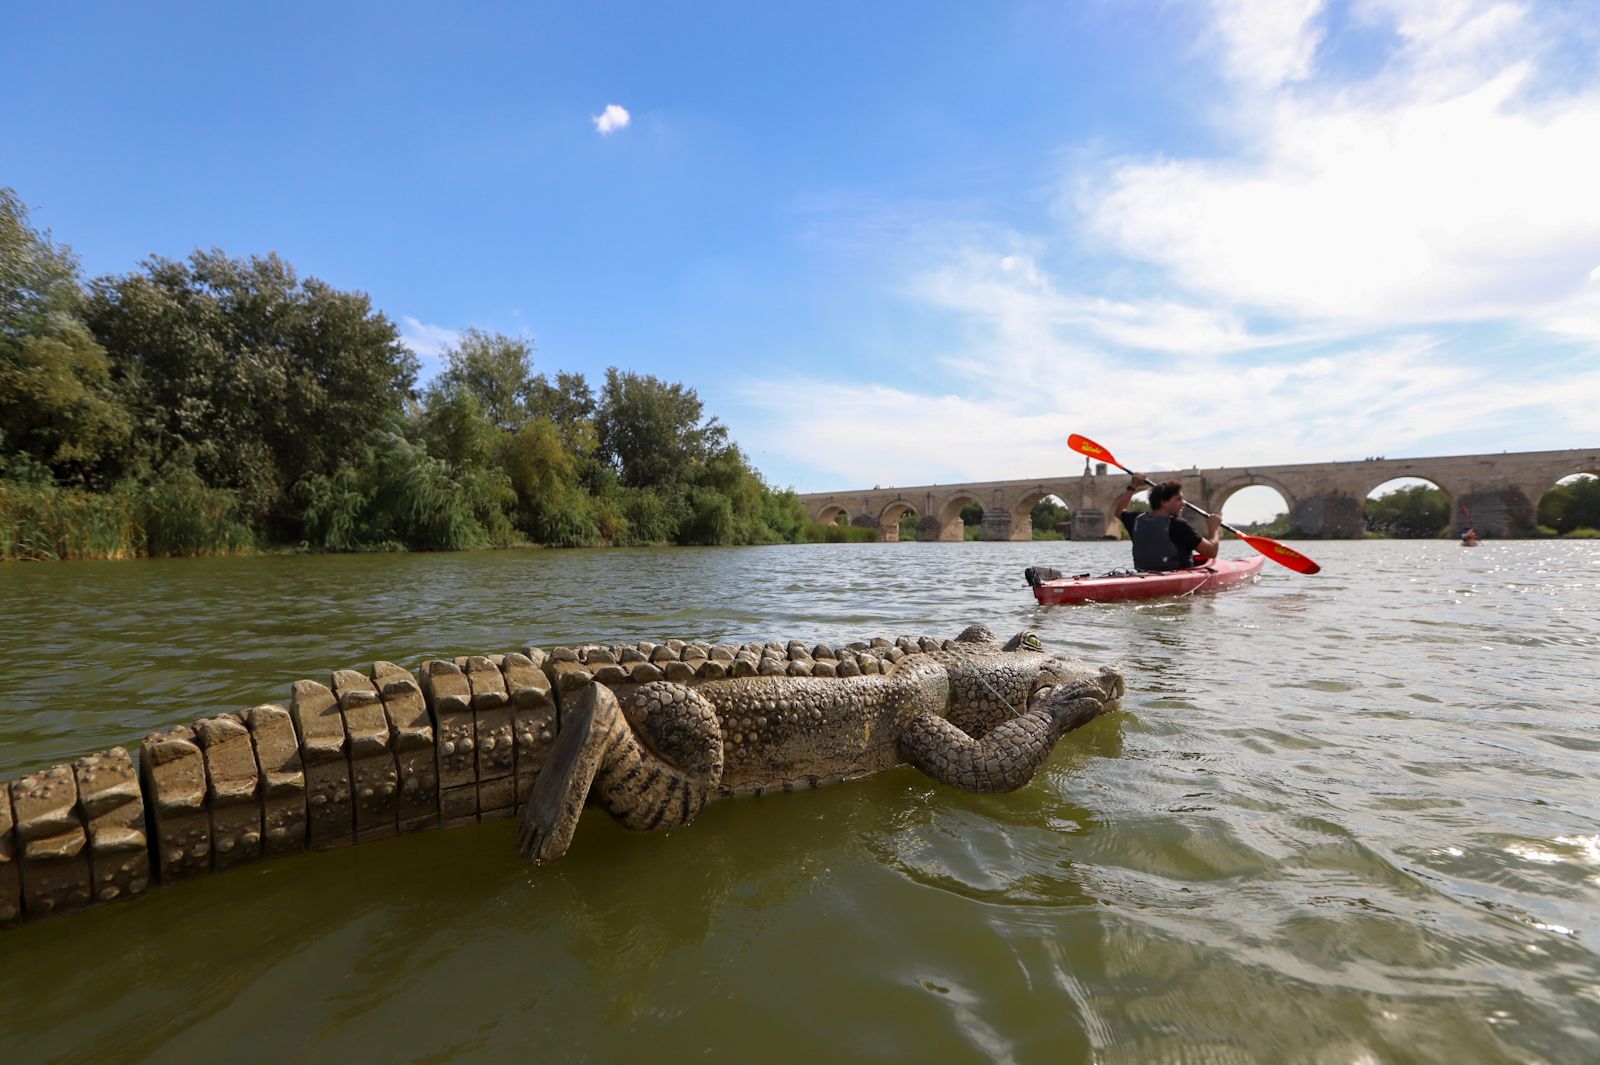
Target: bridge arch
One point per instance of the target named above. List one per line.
(1259, 487)
(1218, 496)
(1413, 511)
(1013, 520)
(1420, 475)
(889, 518)
(832, 514)
(1575, 508)
(946, 524)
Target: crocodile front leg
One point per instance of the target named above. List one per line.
(651, 765)
(1010, 753)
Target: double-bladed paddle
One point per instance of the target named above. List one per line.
(1279, 553)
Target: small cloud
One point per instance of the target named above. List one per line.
(428, 341)
(613, 118)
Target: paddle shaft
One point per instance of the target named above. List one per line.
(1191, 506)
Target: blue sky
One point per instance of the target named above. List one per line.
(892, 243)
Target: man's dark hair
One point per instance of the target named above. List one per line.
(1163, 492)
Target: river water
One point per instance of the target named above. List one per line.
(1344, 818)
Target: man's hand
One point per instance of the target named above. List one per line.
(1139, 481)
(1213, 525)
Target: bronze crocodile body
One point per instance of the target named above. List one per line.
(649, 731)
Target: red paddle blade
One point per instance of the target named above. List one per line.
(1084, 446)
(1281, 554)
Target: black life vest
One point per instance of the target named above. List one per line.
(1153, 548)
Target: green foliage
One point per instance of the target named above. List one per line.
(262, 378)
(784, 514)
(1418, 512)
(494, 369)
(399, 494)
(206, 398)
(456, 427)
(1569, 507)
(57, 403)
(38, 278)
(174, 514)
(652, 432)
(1046, 515)
(182, 516)
(908, 526)
(569, 405)
(972, 514)
(1277, 527)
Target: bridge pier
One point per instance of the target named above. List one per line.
(1498, 512)
(1330, 517)
(931, 530)
(1000, 524)
(1088, 523)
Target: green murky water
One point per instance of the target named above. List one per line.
(1346, 818)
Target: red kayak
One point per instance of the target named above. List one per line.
(1130, 584)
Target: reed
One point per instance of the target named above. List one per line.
(41, 521)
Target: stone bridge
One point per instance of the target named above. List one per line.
(1326, 500)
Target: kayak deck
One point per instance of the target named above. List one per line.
(1220, 574)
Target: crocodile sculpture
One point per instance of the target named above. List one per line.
(649, 731)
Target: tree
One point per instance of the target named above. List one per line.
(551, 508)
(1574, 505)
(652, 432)
(496, 369)
(262, 378)
(1047, 514)
(57, 402)
(569, 406)
(1418, 512)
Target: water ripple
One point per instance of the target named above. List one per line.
(1342, 818)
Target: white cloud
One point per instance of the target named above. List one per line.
(1015, 295)
(1012, 415)
(1267, 42)
(428, 341)
(613, 118)
(1440, 189)
(1322, 290)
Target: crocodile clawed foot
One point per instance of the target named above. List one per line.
(556, 801)
(1072, 706)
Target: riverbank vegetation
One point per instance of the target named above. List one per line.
(221, 405)
(1572, 509)
(1415, 513)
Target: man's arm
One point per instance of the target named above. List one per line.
(1139, 482)
(1209, 547)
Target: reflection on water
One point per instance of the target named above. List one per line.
(1346, 817)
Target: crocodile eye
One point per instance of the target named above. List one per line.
(1031, 642)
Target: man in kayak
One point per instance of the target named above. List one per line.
(1162, 540)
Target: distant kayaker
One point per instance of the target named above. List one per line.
(1469, 538)
(1162, 540)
